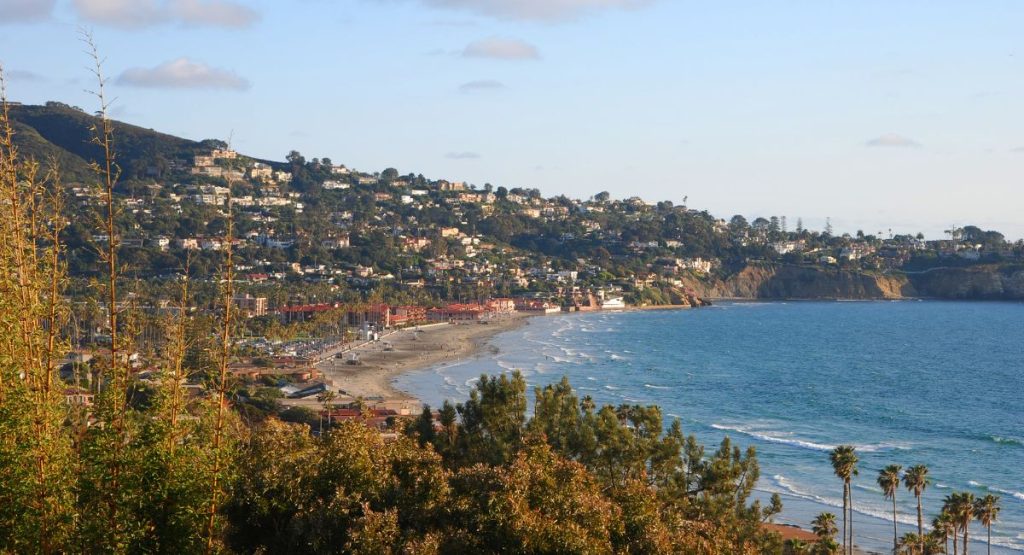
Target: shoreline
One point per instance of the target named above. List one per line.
(408, 350)
(472, 341)
(422, 348)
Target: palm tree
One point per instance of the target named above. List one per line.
(797, 547)
(960, 506)
(889, 481)
(908, 544)
(844, 464)
(325, 398)
(824, 526)
(931, 544)
(946, 527)
(916, 480)
(987, 510)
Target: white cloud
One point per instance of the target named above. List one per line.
(21, 75)
(1019, 150)
(893, 140)
(542, 10)
(501, 49)
(462, 155)
(145, 13)
(16, 11)
(481, 85)
(183, 74)
(214, 12)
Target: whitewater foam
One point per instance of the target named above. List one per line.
(785, 438)
(1018, 495)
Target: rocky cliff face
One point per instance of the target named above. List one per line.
(979, 282)
(795, 282)
(798, 282)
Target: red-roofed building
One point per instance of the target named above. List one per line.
(408, 315)
(378, 315)
(460, 313)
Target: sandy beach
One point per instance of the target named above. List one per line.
(405, 350)
(410, 349)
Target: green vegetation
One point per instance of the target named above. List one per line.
(889, 481)
(844, 464)
(133, 464)
(953, 522)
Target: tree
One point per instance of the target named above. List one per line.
(960, 506)
(797, 547)
(603, 196)
(295, 158)
(423, 430)
(325, 398)
(909, 544)
(824, 526)
(945, 526)
(390, 174)
(986, 510)
(889, 481)
(916, 480)
(844, 465)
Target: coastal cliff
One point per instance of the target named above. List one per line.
(974, 283)
(778, 281)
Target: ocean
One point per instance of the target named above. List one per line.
(934, 383)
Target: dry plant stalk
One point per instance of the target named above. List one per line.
(226, 348)
(109, 173)
(33, 313)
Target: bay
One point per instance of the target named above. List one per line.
(934, 383)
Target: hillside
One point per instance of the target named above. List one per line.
(65, 132)
(305, 223)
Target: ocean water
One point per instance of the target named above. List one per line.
(935, 383)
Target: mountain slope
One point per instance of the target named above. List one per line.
(59, 130)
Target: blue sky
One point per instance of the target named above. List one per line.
(879, 114)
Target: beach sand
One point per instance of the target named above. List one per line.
(408, 350)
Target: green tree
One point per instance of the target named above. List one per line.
(493, 419)
(909, 544)
(986, 510)
(944, 525)
(824, 526)
(844, 465)
(889, 481)
(960, 506)
(916, 481)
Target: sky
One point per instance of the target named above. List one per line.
(879, 114)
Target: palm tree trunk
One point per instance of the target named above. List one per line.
(967, 531)
(845, 512)
(989, 538)
(920, 518)
(895, 533)
(851, 518)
